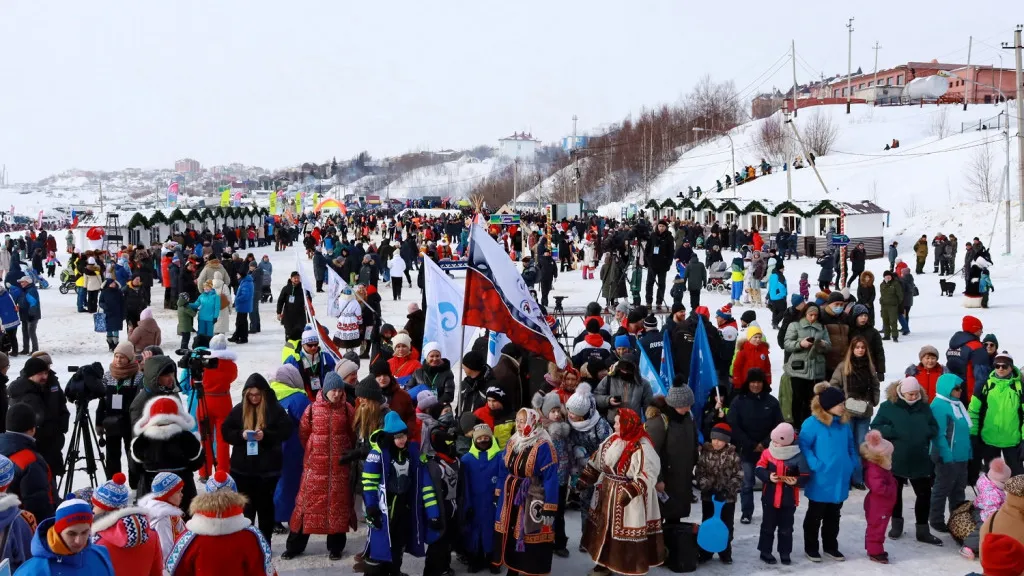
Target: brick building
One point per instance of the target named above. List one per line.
(186, 166)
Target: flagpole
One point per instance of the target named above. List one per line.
(462, 340)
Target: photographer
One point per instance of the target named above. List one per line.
(121, 383)
(658, 255)
(38, 388)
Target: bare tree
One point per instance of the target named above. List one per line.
(820, 134)
(940, 123)
(774, 142)
(981, 175)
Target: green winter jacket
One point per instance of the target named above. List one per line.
(807, 363)
(910, 428)
(953, 443)
(186, 315)
(610, 276)
(890, 293)
(996, 411)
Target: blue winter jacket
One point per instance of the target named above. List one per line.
(18, 548)
(425, 505)
(244, 295)
(953, 444)
(776, 290)
(967, 358)
(93, 560)
(294, 401)
(208, 305)
(831, 454)
(122, 274)
(478, 483)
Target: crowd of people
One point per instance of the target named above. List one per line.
(483, 473)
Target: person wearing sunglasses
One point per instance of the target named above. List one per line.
(313, 364)
(996, 415)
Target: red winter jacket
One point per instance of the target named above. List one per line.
(927, 378)
(750, 356)
(165, 270)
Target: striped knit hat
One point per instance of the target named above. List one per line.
(113, 495)
(70, 513)
(165, 485)
(6, 473)
(221, 481)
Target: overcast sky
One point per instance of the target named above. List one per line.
(108, 84)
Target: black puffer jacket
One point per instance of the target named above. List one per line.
(278, 427)
(440, 379)
(32, 476)
(50, 406)
(752, 418)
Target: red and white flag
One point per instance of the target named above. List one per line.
(498, 299)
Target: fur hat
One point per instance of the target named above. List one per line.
(125, 349)
(289, 375)
(402, 339)
(310, 337)
(926, 350)
(783, 434)
(219, 342)
(1002, 555)
(998, 472)
(71, 512)
(580, 402)
(679, 397)
(221, 480)
(6, 472)
(722, 431)
(393, 424)
(113, 494)
(164, 416)
(551, 402)
(165, 485)
(875, 444)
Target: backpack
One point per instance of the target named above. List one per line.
(530, 275)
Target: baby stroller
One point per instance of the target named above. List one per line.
(265, 294)
(67, 281)
(718, 278)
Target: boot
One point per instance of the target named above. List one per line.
(924, 535)
(896, 529)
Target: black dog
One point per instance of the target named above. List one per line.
(947, 287)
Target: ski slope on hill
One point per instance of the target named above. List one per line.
(926, 172)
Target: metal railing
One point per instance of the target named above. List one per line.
(993, 123)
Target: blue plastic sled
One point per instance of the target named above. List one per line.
(39, 280)
(713, 535)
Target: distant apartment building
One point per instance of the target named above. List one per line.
(519, 146)
(187, 166)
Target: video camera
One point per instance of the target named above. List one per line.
(641, 232)
(87, 383)
(196, 360)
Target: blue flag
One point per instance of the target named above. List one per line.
(667, 371)
(648, 373)
(703, 376)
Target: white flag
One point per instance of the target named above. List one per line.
(334, 287)
(444, 313)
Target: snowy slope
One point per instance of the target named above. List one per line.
(448, 179)
(925, 172)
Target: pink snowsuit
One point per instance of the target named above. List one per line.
(878, 505)
(990, 497)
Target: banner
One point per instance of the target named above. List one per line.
(650, 375)
(308, 289)
(667, 371)
(172, 194)
(225, 196)
(703, 375)
(273, 202)
(39, 223)
(498, 299)
(443, 324)
(316, 199)
(334, 287)
(298, 202)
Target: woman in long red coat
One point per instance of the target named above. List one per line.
(324, 504)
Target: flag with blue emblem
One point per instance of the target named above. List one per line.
(667, 371)
(444, 313)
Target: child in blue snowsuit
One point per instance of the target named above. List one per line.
(985, 286)
(208, 305)
(401, 505)
(478, 483)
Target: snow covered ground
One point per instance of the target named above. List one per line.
(70, 339)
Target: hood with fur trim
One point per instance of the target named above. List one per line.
(163, 426)
(824, 416)
(867, 278)
(125, 528)
(218, 514)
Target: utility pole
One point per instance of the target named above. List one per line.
(970, 44)
(793, 49)
(874, 83)
(1020, 116)
(849, 64)
(515, 183)
(789, 172)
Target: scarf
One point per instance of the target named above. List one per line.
(958, 409)
(588, 424)
(124, 372)
(631, 432)
(783, 453)
(532, 433)
(56, 544)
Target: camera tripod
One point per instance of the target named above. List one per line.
(195, 362)
(82, 432)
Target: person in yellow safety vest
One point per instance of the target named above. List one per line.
(290, 350)
(80, 287)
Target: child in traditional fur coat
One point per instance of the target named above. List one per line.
(878, 504)
(719, 475)
(555, 422)
(783, 471)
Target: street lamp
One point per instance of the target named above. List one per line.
(1006, 134)
(732, 148)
